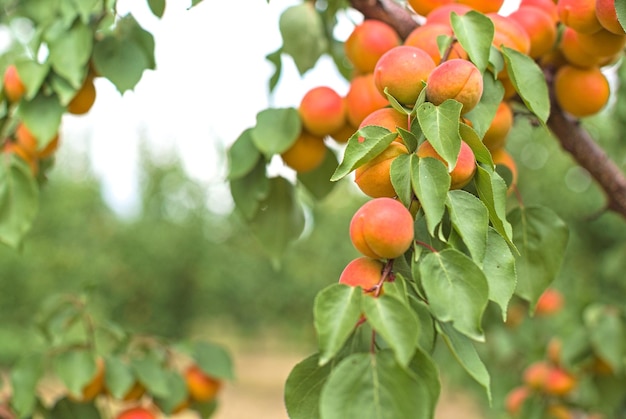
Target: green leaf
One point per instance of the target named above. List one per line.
(303, 388)
(440, 125)
(249, 190)
(25, 375)
(607, 335)
(75, 368)
(475, 33)
(68, 409)
(276, 59)
(19, 200)
(151, 373)
(492, 191)
(431, 182)
(130, 29)
(400, 172)
(471, 138)
(213, 359)
(242, 156)
(529, 82)
(302, 30)
(374, 386)
(157, 7)
(86, 8)
(425, 368)
(32, 75)
(42, 116)
(177, 395)
(396, 323)
(317, 181)
(409, 138)
(426, 339)
(276, 130)
(483, 113)
(361, 148)
(280, 220)
(336, 310)
(499, 269)
(70, 52)
(118, 376)
(456, 289)
(465, 353)
(470, 219)
(541, 237)
(620, 9)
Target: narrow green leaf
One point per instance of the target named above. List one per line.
(336, 310)
(499, 268)
(431, 182)
(400, 172)
(19, 200)
(157, 7)
(475, 33)
(242, 156)
(483, 113)
(492, 191)
(303, 388)
(302, 31)
(213, 360)
(395, 104)
(120, 61)
(409, 138)
(425, 368)
(276, 130)
(470, 219)
(481, 152)
(317, 181)
(427, 333)
(440, 125)
(361, 148)
(118, 376)
(68, 409)
(75, 368)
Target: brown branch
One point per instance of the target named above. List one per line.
(573, 138)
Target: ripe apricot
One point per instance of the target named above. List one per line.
(515, 400)
(306, 153)
(573, 52)
(540, 28)
(559, 382)
(322, 111)
(548, 6)
(201, 386)
(579, 15)
(607, 16)
(455, 79)
(603, 43)
(343, 134)
(424, 7)
(550, 302)
(465, 165)
(536, 374)
(509, 33)
(374, 178)
(382, 229)
(363, 98)
(84, 98)
(26, 140)
(503, 158)
(367, 42)
(569, 84)
(402, 71)
(387, 118)
(442, 13)
(483, 6)
(425, 37)
(136, 413)
(13, 86)
(362, 272)
(501, 124)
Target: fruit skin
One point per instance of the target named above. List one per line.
(559, 382)
(363, 98)
(548, 6)
(368, 42)
(483, 6)
(607, 16)
(509, 33)
(465, 165)
(84, 98)
(550, 302)
(495, 136)
(322, 111)
(26, 140)
(425, 7)
(455, 79)
(603, 43)
(374, 178)
(579, 15)
(382, 229)
(574, 53)
(570, 81)
(13, 86)
(535, 376)
(539, 26)
(136, 413)
(425, 37)
(387, 118)
(515, 400)
(403, 70)
(201, 386)
(306, 153)
(363, 272)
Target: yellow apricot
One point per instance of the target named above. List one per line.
(573, 52)
(363, 98)
(84, 99)
(495, 136)
(424, 7)
(581, 91)
(306, 153)
(374, 177)
(367, 42)
(579, 15)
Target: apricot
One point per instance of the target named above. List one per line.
(14, 148)
(579, 15)
(387, 118)
(306, 153)
(343, 134)
(581, 91)
(559, 411)
(509, 33)
(603, 42)
(540, 28)
(84, 98)
(322, 111)
(515, 400)
(425, 37)
(501, 124)
(607, 16)
(548, 6)
(465, 165)
(559, 382)
(402, 71)
(455, 79)
(574, 53)
(367, 42)
(536, 374)
(374, 178)
(550, 302)
(382, 229)
(363, 98)
(50, 148)
(136, 413)
(503, 158)
(483, 6)
(13, 86)
(442, 13)
(26, 140)
(362, 272)
(201, 386)
(424, 7)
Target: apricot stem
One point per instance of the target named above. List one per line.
(426, 245)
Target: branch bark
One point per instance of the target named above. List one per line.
(571, 135)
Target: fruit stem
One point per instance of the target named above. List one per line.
(386, 275)
(426, 245)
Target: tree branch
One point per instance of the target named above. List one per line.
(573, 138)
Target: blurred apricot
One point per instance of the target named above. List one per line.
(13, 85)
(306, 153)
(84, 98)
(579, 15)
(501, 124)
(202, 387)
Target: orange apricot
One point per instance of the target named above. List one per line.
(84, 98)
(50, 148)
(501, 124)
(387, 118)
(382, 229)
(26, 140)
(464, 169)
(343, 134)
(559, 382)
(550, 302)
(306, 153)
(515, 400)
(363, 98)
(362, 272)
(573, 52)
(367, 42)
(322, 111)
(509, 33)
(603, 42)
(374, 178)
(581, 91)
(455, 79)
(201, 386)
(13, 85)
(483, 6)
(539, 26)
(424, 7)
(548, 6)
(425, 37)
(579, 15)
(442, 13)
(503, 158)
(402, 71)
(607, 16)
(536, 374)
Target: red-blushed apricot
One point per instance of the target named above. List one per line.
(574, 53)
(579, 15)
(201, 386)
(455, 79)
(483, 6)
(425, 37)
(501, 124)
(322, 111)
(374, 178)
(548, 6)
(13, 86)
(306, 153)
(84, 98)
(503, 158)
(136, 413)
(367, 42)
(402, 71)
(343, 134)
(581, 91)
(607, 16)
(387, 118)
(536, 374)
(509, 33)
(362, 272)
(515, 400)
(465, 166)
(425, 7)
(559, 382)
(550, 302)
(442, 13)
(363, 98)
(540, 28)
(382, 229)
(603, 43)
